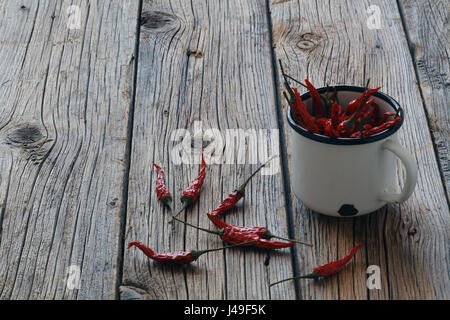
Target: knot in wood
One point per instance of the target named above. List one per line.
(154, 20)
(31, 141)
(412, 231)
(25, 135)
(309, 40)
(306, 45)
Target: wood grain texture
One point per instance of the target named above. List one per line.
(329, 42)
(64, 95)
(205, 61)
(427, 23)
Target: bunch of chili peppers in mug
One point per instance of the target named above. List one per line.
(232, 234)
(361, 117)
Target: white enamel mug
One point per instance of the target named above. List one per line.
(346, 177)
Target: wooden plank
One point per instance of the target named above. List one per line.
(428, 31)
(65, 99)
(228, 86)
(332, 44)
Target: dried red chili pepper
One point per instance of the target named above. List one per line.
(374, 130)
(162, 192)
(336, 110)
(386, 115)
(260, 231)
(301, 111)
(367, 115)
(367, 105)
(328, 269)
(316, 100)
(321, 124)
(178, 257)
(353, 105)
(346, 127)
(376, 115)
(234, 197)
(235, 234)
(383, 127)
(334, 267)
(366, 110)
(297, 117)
(190, 194)
(325, 98)
(329, 130)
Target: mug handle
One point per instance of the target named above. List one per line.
(411, 172)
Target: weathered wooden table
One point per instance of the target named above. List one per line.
(92, 91)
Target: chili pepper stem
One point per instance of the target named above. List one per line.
(295, 80)
(335, 94)
(197, 253)
(268, 235)
(166, 200)
(179, 211)
(294, 240)
(360, 127)
(287, 76)
(312, 275)
(218, 232)
(242, 187)
(286, 83)
(326, 100)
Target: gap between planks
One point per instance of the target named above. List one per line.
(283, 153)
(128, 148)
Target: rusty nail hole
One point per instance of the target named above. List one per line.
(412, 231)
(22, 7)
(305, 44)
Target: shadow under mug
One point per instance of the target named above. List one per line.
(347, 177)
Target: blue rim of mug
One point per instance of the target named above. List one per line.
(348, 141)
